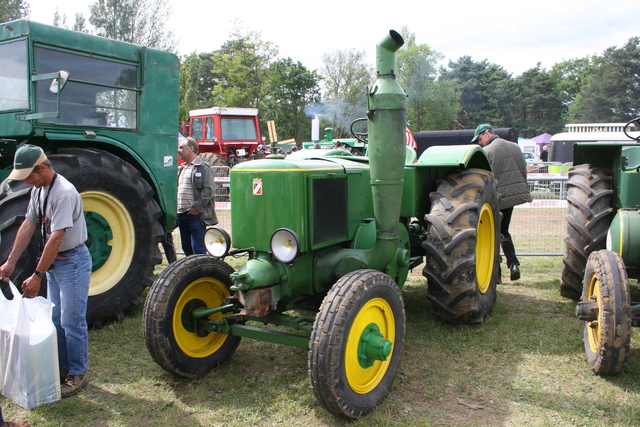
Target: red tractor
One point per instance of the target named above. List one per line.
(226, 136)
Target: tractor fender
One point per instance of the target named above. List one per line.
(624, 225)
(456, 156)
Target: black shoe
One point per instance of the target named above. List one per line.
(515, 272)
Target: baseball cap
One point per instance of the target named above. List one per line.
(479, 130)
(26, 158)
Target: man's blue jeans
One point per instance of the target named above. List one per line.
(68, 289)
(192, 234)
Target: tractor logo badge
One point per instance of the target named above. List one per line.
(257, 187)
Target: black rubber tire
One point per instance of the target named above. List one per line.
(463, 246)
(114, 189)
(177, 350)
(213, 159)
(607, 340)
(357, 300)
(589, 214)
(14, 199)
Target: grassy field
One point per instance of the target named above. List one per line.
(524, 367)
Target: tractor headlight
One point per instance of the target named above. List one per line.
(285, 245)
(217, 242)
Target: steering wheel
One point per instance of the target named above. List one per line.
(360, 136)
(635, 122)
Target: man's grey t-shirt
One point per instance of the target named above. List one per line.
(63, 211)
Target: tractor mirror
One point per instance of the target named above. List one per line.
(58, 84)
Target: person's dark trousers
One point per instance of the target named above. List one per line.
(192, 234)
(507, 244)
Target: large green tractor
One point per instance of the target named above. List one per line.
(330, 239)
(602, 218)
(105, 112)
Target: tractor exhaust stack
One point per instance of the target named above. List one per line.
(386, 150)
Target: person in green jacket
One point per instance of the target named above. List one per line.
(510, 170)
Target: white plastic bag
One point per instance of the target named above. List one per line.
(8, 312)
(31, 375)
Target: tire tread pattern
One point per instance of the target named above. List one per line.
(615, 324)
(158, 314)
(326, 358)
(589, 213)
(451, 246)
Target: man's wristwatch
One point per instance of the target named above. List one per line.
(40, 274)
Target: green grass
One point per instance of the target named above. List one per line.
(524, 367)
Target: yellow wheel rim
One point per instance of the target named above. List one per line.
(485, 248)
(379, 312)
(212, 293)
(122, 243)
(593, 331)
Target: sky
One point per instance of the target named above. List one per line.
(514, 34)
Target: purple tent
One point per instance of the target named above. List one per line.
(542, 139)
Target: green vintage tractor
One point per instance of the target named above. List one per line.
(602, 216)
(335, 235)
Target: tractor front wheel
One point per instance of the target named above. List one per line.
(463, 246)
(356, 343)
(606, 289)
(196, 281)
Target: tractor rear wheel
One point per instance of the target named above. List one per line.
(589, 193)
(356, 343)
(191, 282)
(607, 339)
(462, 246)
(213, 159)
(123, 228)
(14, 199)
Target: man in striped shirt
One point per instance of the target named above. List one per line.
(196, 208)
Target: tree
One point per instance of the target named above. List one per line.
(346, 75)
(80, 23)
(134, 21)
(612, 91)
(239, 69)
(571, 76)
(538, 103)
(13, 9)
(430, 105)
(189, 83)
(291, 88)
(442, 101)
(487, 93)
(196, 83)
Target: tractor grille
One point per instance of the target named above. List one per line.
(329, 209)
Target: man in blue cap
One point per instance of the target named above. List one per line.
(510, 170)
(56, 208)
